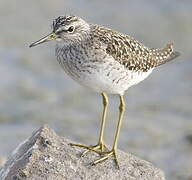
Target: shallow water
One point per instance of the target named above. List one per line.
(34, 90)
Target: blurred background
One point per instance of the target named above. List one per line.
(34, 89)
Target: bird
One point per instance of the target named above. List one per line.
(106, 61)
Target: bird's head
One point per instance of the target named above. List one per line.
(67, 30)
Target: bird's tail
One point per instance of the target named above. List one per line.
(165, 55)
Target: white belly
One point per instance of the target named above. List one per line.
(117, 82)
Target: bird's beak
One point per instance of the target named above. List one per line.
(49, 37)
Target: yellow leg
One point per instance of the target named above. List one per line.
(113, 151)
(100, 146)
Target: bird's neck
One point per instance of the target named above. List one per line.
(74, 43)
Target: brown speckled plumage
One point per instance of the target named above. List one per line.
(92, 52)
(130, 52)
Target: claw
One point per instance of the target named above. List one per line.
(107, 155)
(99, 148)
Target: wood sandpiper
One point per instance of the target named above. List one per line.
(106, 61)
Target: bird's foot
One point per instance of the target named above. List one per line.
(107, 155)
(99, 148)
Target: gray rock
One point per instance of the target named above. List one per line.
(45, 155)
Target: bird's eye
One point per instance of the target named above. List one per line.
(71, 29)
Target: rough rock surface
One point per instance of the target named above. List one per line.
(45, 155)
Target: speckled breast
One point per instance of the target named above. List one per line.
(97, 70)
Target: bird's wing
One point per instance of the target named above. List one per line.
(131, 53)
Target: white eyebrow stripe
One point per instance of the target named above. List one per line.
(62, 28)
